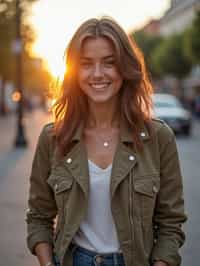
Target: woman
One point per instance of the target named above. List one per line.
(105, 169)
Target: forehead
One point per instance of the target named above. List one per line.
(99, 46)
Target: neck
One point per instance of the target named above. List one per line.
(103, 115)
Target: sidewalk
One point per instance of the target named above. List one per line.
(15, 165)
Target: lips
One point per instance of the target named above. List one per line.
(100, 86)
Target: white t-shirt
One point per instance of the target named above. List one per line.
(97, 232)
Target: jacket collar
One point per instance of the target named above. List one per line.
(126, 135)
(125, 158)
(78, 133)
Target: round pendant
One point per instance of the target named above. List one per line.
(105, 144)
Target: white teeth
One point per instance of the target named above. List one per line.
(99, 86)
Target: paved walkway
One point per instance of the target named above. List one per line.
(15, 165)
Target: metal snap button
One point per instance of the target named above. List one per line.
(69, 160)
(131, 158)
(155, 190)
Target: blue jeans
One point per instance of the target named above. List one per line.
(56, 261)
(84, 257)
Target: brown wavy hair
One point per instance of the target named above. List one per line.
(71, 106)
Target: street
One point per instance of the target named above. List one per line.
(190, 161)
(15, 165)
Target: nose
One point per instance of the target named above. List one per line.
(97, 71)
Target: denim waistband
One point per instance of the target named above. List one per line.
(109, 259)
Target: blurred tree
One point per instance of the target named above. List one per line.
(169, 59)
(192, 41)
(36, 77)
(6, 37)
(31, 68)
(148, 43)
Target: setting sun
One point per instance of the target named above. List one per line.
(57, 68)
(54, 61)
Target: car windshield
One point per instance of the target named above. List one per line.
(166, 102)
(160, 104)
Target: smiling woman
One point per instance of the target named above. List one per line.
(105, 168)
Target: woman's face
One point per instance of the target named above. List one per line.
(98, 75)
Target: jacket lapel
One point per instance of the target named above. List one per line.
(76, 163)
(125, 159)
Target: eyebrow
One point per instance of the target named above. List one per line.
(104, 58)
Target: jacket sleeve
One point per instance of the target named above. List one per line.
(42, 208)
(169, 212)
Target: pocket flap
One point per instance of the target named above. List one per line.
(146, 187)
(59, 185)
(62, 186)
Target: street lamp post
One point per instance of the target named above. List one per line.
(20, 140)
(3, 110)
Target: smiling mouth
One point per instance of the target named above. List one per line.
(100, 86)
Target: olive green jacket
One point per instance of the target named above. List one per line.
(146, 196)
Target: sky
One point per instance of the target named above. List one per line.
(55, 21)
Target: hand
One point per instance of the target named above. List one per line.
(49, 264)
(160, 263)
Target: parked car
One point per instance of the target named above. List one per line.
(197, 106)
(168, 108)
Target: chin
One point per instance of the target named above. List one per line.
(100, 99)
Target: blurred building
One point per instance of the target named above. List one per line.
(179, 16)
(152, 27)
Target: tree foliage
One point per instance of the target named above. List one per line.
(8, 35)
(192, 41)
(169, 57)
(34, 75)
(147, 43)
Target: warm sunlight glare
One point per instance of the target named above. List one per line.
(57, 68)
(54, 43)
(55, 22)
(55, 62)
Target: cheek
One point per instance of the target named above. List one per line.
(115, 75)
(117, 78)
(82, 77)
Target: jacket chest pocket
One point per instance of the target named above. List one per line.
(61, 188)
(145, 193)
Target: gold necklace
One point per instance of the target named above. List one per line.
(105, 140)
(106, 144)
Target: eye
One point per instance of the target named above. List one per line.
(109, 63)
(85, 64)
